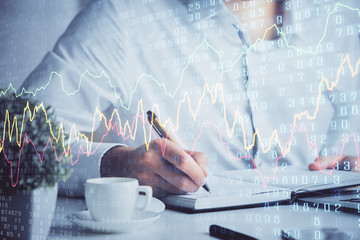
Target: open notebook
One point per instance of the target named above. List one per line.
(246, 188)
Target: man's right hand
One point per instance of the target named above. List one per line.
(166, 167)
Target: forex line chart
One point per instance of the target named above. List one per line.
(212, 93)
(255, 123)
(10, 128)
(204, 42)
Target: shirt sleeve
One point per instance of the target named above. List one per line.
(72, 80)
(84, 167)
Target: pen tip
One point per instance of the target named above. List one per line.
(206, 187)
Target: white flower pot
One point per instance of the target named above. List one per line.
(28, 214)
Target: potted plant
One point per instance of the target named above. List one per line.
(33, 160)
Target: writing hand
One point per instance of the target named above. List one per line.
(175, 171)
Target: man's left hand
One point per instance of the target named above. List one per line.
(346, 163)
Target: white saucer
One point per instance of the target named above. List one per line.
(140, 218)
(155, 204)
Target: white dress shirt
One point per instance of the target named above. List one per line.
(194, 65)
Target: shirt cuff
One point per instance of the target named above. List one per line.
(84, 167)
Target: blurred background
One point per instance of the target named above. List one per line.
(29, 29)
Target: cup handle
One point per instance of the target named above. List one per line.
(148, 193)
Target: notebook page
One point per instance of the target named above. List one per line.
(227, 192)
(295, 179)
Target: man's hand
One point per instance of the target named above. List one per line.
(174, 172)
(347, 163)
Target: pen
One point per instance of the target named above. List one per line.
(163, 133)
(286, 236)
(225, 233)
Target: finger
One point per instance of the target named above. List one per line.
(181, 160)
(163, 184)
(151, 163)
(180, 183)
(160, 192)
(324, 163)
(156, 181)
(351, 163)
(348, 163)
(201, 159)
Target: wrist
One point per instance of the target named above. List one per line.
(112, 162)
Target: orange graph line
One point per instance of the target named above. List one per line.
(217, 93)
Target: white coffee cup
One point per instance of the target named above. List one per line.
(114, 199)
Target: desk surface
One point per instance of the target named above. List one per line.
(263, 223)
